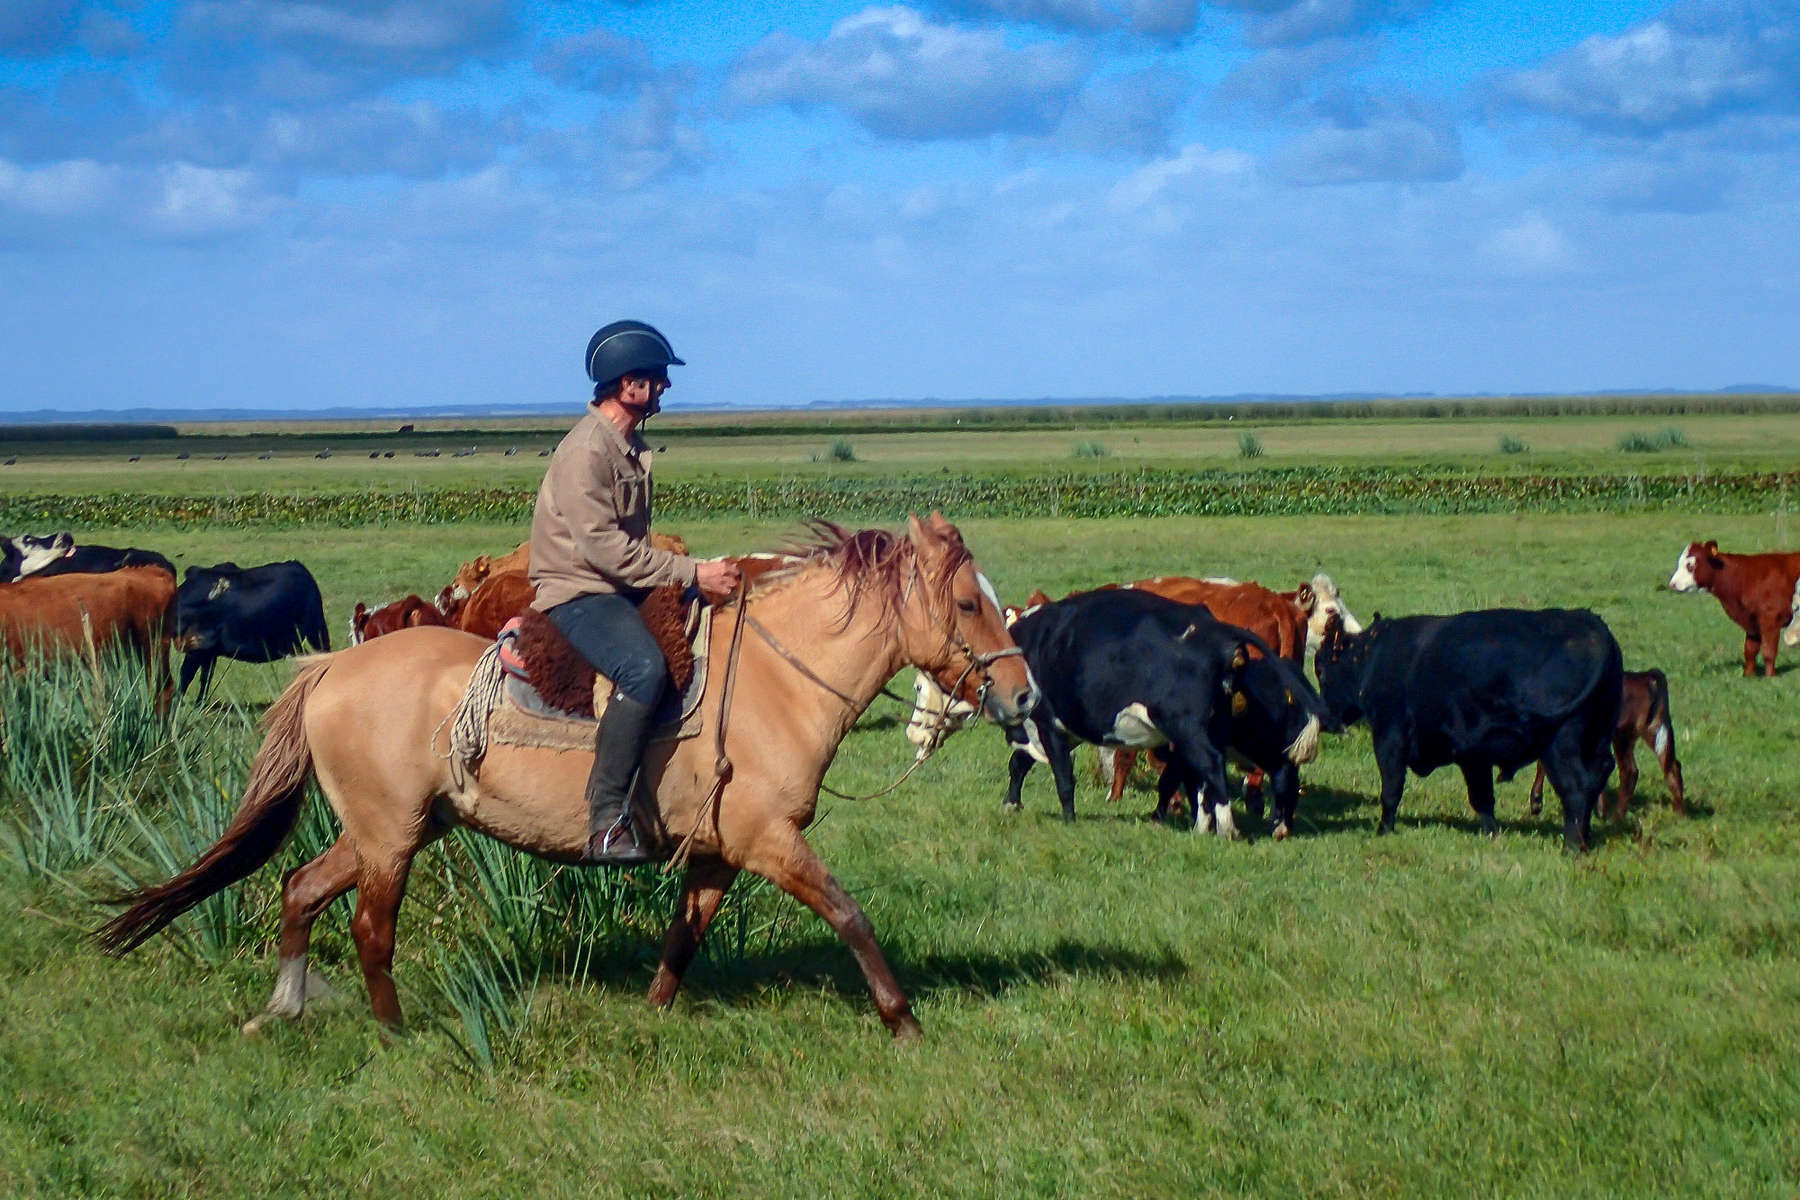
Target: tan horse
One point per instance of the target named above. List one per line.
(822, 638)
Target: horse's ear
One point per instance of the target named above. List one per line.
(914, 530)
(1305, 597)
(938, 522)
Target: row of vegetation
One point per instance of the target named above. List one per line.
(1268, 491)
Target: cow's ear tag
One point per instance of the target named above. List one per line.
(1238, 704)
(1238, 658)
(1288, 694)
(1187, 633)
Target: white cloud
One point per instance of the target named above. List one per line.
(1533, 245)
(1151, 183)
(61, 189)
(903, 76)
(194, 202)
(1696, 63)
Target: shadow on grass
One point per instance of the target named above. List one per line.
(815, 963)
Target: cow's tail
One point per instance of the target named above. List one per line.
(1658, 718)
(271, 805)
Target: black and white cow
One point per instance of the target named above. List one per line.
(252, 614)
(1492, 689)
(1127, 668)
(58, 554)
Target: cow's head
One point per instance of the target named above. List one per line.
(469, 576)
(1321, 601)
(196, 604)
(359, 621)
(1695, 569)
(1791, 637)
(935, 716)
(1339, 666)
(35, 553)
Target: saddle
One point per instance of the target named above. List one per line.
(548, 677)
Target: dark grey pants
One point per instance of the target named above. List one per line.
(606, 630)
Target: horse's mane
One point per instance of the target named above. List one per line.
(868, 563)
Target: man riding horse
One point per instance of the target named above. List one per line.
(593, 564)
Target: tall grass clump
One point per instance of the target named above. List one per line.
(1249, 446)
(1089, 450)
(842, 451)
(1512, 445)
(1666, 438)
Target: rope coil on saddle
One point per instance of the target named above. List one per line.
(468, 720)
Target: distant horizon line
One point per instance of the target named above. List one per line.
(147, 414)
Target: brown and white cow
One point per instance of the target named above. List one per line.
(470, 575)
(1756, 591)
(1792, 636)
(1643, 715)
(405, 613)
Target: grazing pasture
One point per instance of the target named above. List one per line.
(1111, 1007)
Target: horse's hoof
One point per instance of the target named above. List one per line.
(255, 1025)
(1281, 832)
(907, 1030)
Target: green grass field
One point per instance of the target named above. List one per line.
(1111, 1007)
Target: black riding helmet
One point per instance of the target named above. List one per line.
(626, 347)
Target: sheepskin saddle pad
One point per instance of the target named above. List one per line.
(552, 695)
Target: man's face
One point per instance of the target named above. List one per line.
(644, 392)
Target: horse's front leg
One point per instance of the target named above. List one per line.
(786, 860)
(702, 892)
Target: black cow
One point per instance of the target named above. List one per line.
(252, 614)
(1496, 688)
(1128, 668)
(58, 554)
(1276, 717)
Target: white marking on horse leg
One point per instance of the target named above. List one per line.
(289, 999)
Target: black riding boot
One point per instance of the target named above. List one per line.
(613, 834)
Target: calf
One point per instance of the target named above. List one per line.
(1643, 714)
(405, 613)
(495, 601)
(1121, 667)
(1756, 591)
(1485, 690)
(27, 555)
(252, 614)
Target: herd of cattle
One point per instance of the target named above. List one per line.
(1195, 671)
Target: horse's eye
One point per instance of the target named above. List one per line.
(969, 606)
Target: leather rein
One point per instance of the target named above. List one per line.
(722, 762)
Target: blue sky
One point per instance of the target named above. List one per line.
(387, 203)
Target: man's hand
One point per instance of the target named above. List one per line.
(717, 579)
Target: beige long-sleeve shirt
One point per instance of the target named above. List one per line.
(591, 528)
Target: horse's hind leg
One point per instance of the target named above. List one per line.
(788, 862)
(306, 894)
(703, 890)
(380, 886)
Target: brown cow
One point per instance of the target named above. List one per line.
(470, 575)
(1643, 713)
(497, 600)
(133, 608)
(406, 613)
(1756, 591)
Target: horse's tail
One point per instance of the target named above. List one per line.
(270, 807)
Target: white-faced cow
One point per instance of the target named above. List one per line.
(1792, 636)
(252, 614)
(1756, 591)
(29, 555)
(1127, 668)
(1485, 690)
